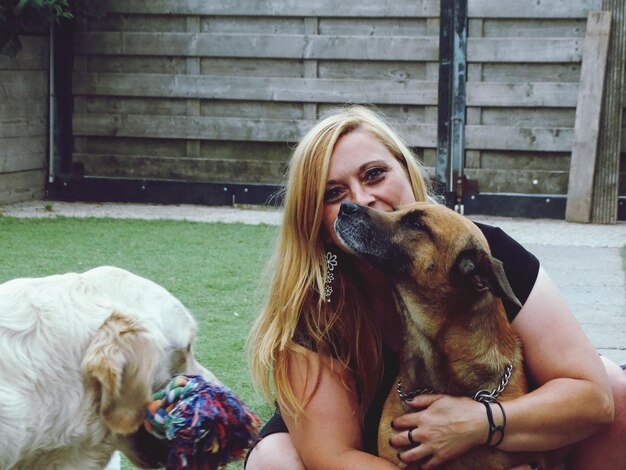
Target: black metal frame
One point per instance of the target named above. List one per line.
(89, 189)
(452, 101)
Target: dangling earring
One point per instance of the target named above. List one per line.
(331, 264)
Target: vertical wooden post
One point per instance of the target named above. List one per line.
(588, 111)
(311, 27)
(193, 105)
(606, 180)
(475, 29)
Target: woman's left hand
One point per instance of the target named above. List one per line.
(444, 426)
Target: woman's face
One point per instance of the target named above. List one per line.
(362, 170)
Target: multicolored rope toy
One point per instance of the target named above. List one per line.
(205, 425)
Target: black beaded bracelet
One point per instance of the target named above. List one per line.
(492, 425)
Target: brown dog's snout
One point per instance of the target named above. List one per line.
(348, 208)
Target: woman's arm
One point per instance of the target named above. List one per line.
(572, 400)
(574, 397)
(329, 433)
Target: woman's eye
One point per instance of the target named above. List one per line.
(332, 194)
(374, 173)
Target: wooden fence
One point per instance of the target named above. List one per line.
(218, 91)
(24, 121)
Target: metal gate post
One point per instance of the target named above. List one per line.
(452, 102)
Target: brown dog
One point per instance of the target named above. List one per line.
(457, 339)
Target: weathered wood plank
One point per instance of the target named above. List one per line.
(321, 90)
(531, 8)
(25, 109)
(251, 24)
(245, 67)
(527, 72)
(311, 8)
(22, 153)
(258, 46)
(23, 85)
(193, 127)
(139, 22)
(533, 28)
(95, 104)
(391, 70)
(513, 161)
(258, 88)
(133, 146)
(133, 64)
(518, 138)
(367, 26)
(323, 47)
(588, 111)
(530, 181)
(364, 8)
(277, 130)
(219, 128)
(22, 186)
(531, 50)
(187, 169)
(20, 127)
(252, 109)
(528, 117)
(33, 56)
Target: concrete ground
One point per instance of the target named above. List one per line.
(584, 260)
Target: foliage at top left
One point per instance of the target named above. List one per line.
(20, 16)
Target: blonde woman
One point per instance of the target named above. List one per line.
(324, 344)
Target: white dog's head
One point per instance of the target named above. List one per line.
(135, 352)
(84, 354)
(125, 363)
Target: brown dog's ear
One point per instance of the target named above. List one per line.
(119, 364)
(485, 272)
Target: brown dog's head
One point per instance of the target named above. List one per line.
(428, 249)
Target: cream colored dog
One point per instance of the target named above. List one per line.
(80, 356)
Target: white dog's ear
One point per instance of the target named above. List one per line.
(120, 363)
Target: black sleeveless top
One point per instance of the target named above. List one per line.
(521, 268)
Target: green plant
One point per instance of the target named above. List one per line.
(20, 16)
(16, 17)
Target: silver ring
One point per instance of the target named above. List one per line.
(410, 436)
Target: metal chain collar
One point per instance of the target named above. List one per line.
(483, 396)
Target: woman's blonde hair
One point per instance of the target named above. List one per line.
(295, 314)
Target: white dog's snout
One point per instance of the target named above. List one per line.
(199, 369)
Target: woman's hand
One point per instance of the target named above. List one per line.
(444, 426)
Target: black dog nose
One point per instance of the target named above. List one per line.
(348, 208)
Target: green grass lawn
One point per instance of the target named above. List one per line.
(216, 270)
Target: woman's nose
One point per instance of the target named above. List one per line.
(362, 197)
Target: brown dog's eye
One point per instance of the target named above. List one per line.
(414, 220)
